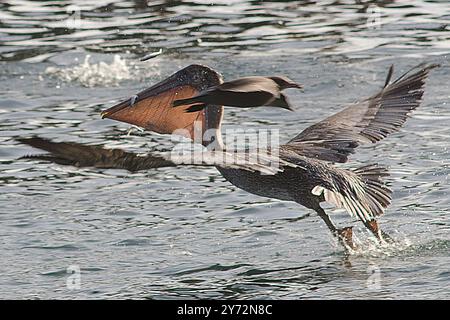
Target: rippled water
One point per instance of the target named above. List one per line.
(187, 233)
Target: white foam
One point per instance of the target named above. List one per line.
(370, 247)
(94, 74)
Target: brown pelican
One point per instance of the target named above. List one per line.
(307, 174)
(245, 92)
(313, 178)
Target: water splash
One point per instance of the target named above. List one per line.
(402, 246)
(94, 74)
(370, 247)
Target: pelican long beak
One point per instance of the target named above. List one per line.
(152, 110)
(118, 107)
(133, 106)
(296, 86)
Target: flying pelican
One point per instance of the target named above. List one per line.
(314, 178)
(307, 173)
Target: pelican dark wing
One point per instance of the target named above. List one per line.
(371, 120)
(245, 92)
(250, 84)
(80, 155)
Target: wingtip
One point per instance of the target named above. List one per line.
(195, 108)
(420, 70)
(389, 76)
(181, 102)
(425, 67)
(176, 103)
(30, 140)
(22, 140)
(433, 65)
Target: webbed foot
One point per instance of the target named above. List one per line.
(345, 235)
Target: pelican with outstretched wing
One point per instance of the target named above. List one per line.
(306, 173)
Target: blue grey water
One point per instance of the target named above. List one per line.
(184, 232)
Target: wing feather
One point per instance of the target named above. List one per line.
(371, 120)
(81, 155)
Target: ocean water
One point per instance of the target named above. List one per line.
(173, 233)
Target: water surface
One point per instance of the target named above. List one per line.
(185, 232)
